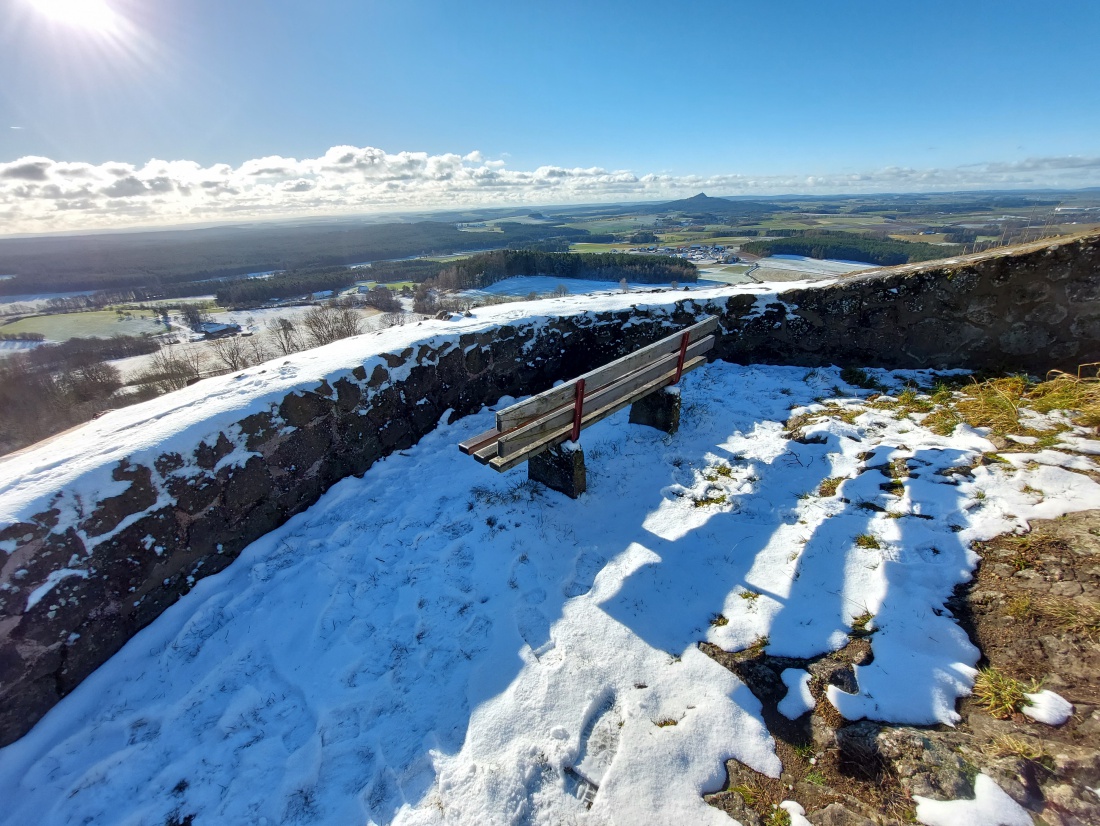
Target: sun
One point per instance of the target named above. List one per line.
(92, 15)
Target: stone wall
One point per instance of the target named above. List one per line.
(73, 591)
(1033, 308)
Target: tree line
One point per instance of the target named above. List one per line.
(56, 386)
(161, 264)
(290, 284)
(850, 246)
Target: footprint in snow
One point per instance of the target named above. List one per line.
(589, 562)
(599, 744)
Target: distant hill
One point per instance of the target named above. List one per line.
(704, 204)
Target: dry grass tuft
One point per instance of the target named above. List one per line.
(747, 794)
(717, 472)
(1021, 607)
(1002, 695)
(830, 485)
(1079, 394)
(757, 648)
(908, 401)
(706, 501)
(868, 541)
(1025, 552)
(859, 625)
(996, 403)
(1008, 745)
(1075, 617)
(860, 378)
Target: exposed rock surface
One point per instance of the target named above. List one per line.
(867, 772)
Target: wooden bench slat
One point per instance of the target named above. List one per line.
(500, 463)
(486, 452)
(480, 440)
(516, 440)
(523, 412)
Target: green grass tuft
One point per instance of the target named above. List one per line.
(1000, 694)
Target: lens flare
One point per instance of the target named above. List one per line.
(91, 15)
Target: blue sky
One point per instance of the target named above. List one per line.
(740, 96)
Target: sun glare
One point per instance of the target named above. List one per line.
(93, 15)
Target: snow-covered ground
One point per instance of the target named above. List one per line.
(32, 302)
(820, 266)
(11, 347)
(522, 285)
(251, 321)
(436, 643)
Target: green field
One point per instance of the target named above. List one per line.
(393, 286)
(598, 247)
(97, 324)
(682, 239)
(599, 226)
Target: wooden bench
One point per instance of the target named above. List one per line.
(541, 424)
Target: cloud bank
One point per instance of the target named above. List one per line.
(38, 194)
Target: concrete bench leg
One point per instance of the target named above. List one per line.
(660, 410)
(560, 468)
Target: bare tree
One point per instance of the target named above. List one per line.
(258, 351)
(232, 352)
(391, 320)
(560, 291)
(348, 323)
(90, 381)
(327, 323)
(172, 368)
(285, 333)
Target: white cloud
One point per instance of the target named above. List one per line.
(38, 194)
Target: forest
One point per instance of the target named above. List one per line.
(850, 246)
(165, 264)
(255, 291)
(55, 386)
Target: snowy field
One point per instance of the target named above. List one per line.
(436, 643)
(253, 321)
(8, 348)
(819, 266)
(32, 302)
(522, 285)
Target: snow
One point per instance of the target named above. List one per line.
(796, 812)
(13, 346)
(991, 806)
(52, 579)
(476, 649)
(800, 263)
(80, 461)
(522, 285)
(1048, 707)
(798, 699)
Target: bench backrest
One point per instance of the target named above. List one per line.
(531, 426)
(601, 377)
